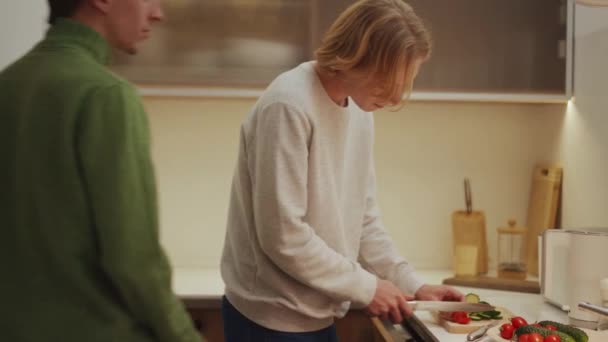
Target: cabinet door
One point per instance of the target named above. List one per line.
(221, 43)
(209, 323)
(356, 326)
(514, 46)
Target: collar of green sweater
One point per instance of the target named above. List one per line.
(68, 31)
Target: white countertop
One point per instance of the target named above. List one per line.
(207, 284)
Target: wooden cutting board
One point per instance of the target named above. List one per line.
(542, 209)
(455, 328)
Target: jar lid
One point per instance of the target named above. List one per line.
(512, 228)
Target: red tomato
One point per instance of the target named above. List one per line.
(460, 317)
(523, 338)
(518, 322)
(550, 327)
(506, 331)
(553, 338)
(465, 320)
(536, 325)
(534, 337)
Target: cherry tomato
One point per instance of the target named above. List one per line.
(534, 337)
(506, 331)
(536, 325)
(553, 338)
(550, 327)
(465, 320)
(460, 317)
(523, 338)
(518, 322)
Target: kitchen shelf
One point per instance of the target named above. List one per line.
(253, 93)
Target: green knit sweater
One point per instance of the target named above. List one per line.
(80, 258)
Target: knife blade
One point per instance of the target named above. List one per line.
(421, 305)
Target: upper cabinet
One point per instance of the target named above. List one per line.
(501, 47)
(222, 43)
(495, 50)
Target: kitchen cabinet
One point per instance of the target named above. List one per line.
(208, 322)
(484, 50)
(491, 50)
(515, 47)
(233, 43)
(356, 326)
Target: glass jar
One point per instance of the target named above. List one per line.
(511, 256)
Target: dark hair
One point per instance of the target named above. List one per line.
(62, 9)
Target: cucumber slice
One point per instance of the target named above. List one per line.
(471, 298)
(493, 313)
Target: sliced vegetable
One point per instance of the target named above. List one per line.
(460, 317)
(480, 316)
(471, 298)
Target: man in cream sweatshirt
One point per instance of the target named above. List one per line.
(305, 241)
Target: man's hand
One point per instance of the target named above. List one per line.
(389, 302)
(439, 292)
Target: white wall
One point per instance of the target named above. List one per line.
(22, 24)
(585, 132)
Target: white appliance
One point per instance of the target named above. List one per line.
(574, 268)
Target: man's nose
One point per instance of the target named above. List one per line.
(157, 12)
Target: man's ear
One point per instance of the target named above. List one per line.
(101, 5)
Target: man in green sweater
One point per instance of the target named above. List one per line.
(80, 257)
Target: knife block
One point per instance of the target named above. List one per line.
(469, 229)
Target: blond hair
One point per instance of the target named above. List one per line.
(377, 38)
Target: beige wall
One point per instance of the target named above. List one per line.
(422, 155)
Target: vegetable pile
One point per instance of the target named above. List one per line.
(543, 331)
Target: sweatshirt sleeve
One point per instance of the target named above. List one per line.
(113, 149)
(378, 252)
(280, 169)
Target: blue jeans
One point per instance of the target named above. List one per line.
(238, 328)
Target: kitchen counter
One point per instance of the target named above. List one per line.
(204, 288)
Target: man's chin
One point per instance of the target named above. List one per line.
(130, 50)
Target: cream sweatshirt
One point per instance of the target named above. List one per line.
(304, 238)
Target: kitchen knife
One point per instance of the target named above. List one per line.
(474, 335)
(449, 306)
